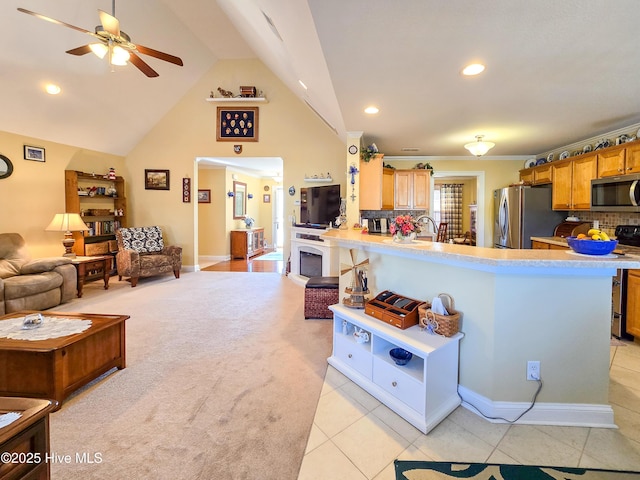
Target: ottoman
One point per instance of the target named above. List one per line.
(319, 293)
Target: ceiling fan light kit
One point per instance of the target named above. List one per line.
(479, 147)
(114, 42)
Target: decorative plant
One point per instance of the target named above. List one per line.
(370, 151)
(425, 166)
(403, 226)
(248, 221)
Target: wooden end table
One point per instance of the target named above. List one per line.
(86, 265)
(56, 367)
(26, 441)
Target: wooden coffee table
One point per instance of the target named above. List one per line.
(26, 440)
(56, 367)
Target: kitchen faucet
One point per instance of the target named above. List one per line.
(421, 219)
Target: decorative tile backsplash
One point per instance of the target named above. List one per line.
(608, 220)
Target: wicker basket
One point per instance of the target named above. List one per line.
(447, 325)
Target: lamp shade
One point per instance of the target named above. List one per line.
(479, 148)
(67, 222)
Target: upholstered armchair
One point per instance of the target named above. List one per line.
(142, 253)
(32, 284)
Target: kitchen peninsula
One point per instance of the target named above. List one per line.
(550, 306)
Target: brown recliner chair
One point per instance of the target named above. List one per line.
(27, 284)
(142, 253)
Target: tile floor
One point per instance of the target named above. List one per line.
(355, 437)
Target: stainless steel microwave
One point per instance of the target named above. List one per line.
(616, 194)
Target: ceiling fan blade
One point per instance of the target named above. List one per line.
(161, 55)
(83, 50)
(110, 23)
(53, 20)
(142, 66)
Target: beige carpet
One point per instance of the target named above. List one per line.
(222, 381)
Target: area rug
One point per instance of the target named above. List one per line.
(274, 256)
(421, 470)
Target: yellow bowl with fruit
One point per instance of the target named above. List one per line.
(590, 246)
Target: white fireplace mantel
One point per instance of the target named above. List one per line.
(308, 240)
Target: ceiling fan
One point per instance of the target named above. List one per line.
(114, 42)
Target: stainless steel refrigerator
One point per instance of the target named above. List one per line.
(522, 212)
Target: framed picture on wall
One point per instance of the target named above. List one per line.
(156, 179)
(266, 198)
(204, 196)
(34, 153)
(239, 123)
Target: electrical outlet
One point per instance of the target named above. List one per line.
(533, 370)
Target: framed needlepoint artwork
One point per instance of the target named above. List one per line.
(239, 123)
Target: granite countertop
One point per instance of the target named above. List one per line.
(481, 256)
(561, 241)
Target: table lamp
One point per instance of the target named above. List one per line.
(67, 222)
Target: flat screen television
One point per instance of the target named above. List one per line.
(319, 206)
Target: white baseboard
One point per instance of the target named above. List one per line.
(559, 414)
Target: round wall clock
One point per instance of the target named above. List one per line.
(353, 149)
(6, 167)
(292, 190)
(266, 188)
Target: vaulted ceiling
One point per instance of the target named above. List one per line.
(556, 71)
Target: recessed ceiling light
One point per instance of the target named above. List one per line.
(473, 69)
(371, 110)
(52, 89)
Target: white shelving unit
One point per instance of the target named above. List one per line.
(424, 391)
(237, 99)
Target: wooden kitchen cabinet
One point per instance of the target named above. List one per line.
(526, 176)
(572, 183)
(611, 162)
(412, 189)
(536, 245)
(376, 185)
(543, 174)
(633, 303)
(619, 161)
(632, 160)
(247, 243)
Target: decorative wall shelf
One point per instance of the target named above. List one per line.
(237, 100)
(318, 180)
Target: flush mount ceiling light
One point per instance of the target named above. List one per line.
(479, 148)
(473, 69)
(52, 89)
(371, 110)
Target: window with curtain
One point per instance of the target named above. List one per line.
(447, 199)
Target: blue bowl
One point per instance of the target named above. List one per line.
(592, 247)
(400, 356)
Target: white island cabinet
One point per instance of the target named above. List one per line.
(516, 306)
(424, 391)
